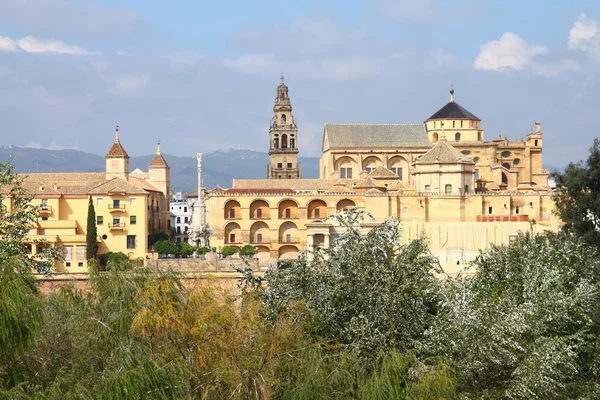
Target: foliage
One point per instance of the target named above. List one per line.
(165, 247)
(156, 237)
(247, 250)
(203, 250)
(368, 291)
(228, 251)
(91, 232)
(115, 260)
(526, 325)
(577, 198)
(186, 249)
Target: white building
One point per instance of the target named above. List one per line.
(181, 216)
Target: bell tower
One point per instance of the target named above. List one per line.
(283, 136)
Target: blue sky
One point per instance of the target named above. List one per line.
(202, 75)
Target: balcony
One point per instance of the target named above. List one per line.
(117, 226)
(116, 207)
(45, 209)
(263, 240)
(286, 240)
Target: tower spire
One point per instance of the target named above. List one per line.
(451, 94)
(282, 81)
(158, 147)
(117, 134)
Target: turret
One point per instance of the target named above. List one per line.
(117, 160)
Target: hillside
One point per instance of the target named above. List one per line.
(220, 167)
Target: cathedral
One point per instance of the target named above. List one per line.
(440, 178)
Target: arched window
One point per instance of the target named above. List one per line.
(434, 137)
(292, 144)
(283, 119)
(506, 165)
(457, 137)
(284, 141)
(466, 188)
(504, 179)
(276, 143)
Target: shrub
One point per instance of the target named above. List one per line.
(203, 250)
(248, 250)
(165, 247)
(186, 249)
(111, 259)
(228, 251)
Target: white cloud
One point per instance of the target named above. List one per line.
(52, 146)
(126, 84)
(442, 57)
(509, 52)
(7, 44)
(584, 34)
(31, 44)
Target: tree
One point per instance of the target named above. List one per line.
(577, 198)
(91, 232)
(165, 247)
(248, 250)
(228, 251)
(186, 249)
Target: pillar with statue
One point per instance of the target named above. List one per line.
(200, 230)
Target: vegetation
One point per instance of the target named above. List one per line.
(118, 260)
(91, 232)
(165, 247)
(186, 249)
(228, 251)
(203, 250)
(248, 250)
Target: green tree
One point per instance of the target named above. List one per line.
(186, 249)
(577, 198)
(165, 247)
(91, 232)
(247, 250)
(227, 251)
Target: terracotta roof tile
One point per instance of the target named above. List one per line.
(158, 161)
(116, 150)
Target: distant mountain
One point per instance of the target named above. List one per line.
(219, 167)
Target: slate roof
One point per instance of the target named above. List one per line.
(376, 135)
(443, 152)
(453, 110)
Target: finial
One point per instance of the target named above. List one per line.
(281, 76)
(158, 147)
(117, 133)
(451, 94)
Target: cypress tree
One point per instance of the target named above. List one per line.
(92, 232)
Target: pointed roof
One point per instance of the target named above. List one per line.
(443, 152)
(117, 150)
(158, 160)
(453, 110)
(368, 183)
(382, 172)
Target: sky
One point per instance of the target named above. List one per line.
(202, 75)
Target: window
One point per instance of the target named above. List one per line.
(68, 264)
(44, 204)
(457, 137)
(283, 119)
(131, 241)
(427, 188)
(284, 141)
(465, 152)
(490, 210)
(505, 154)
(132, 219)
(184, 209)
(288, 213)
(132, 202)
(346, 173)
(292, 143)
(232, 238)
(461, 124)
(117, 222)
(80, 252)
(516, 161)
(516, 210)
(186, 229)
(504, 179)
(68, 253)
(178, 230)
(476, 177)
(259, 213)
(185, 220)
(288, 238)
(475, 160)
(231, 214)
(466, 188)
(513, 238)
(42, 232)
(44, 218)
(536, 143)
(276, 143)
(99, 220)
(116, 204)
(369, 170)
(179, 218)
(506, 165)
(279, 165)
(397, 171)
(99, 201)
(317, 213)
(454, 124)
(448, 189)
(289, 165)
(259, 238)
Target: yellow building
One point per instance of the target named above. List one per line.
(128, 206)
(439, 178)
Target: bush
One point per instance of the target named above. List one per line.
(186, 249)
(248, 250)
(112, 259)
(228, 251)
(203, 250)
(165, 247)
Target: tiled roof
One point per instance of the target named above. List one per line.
(453, 110)
(376, 135)
(443, 152)
(116, 150)
(142, 183)
(117, 185)
(382, 172)
(158, 161)
(368, 183)
(138, 173)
